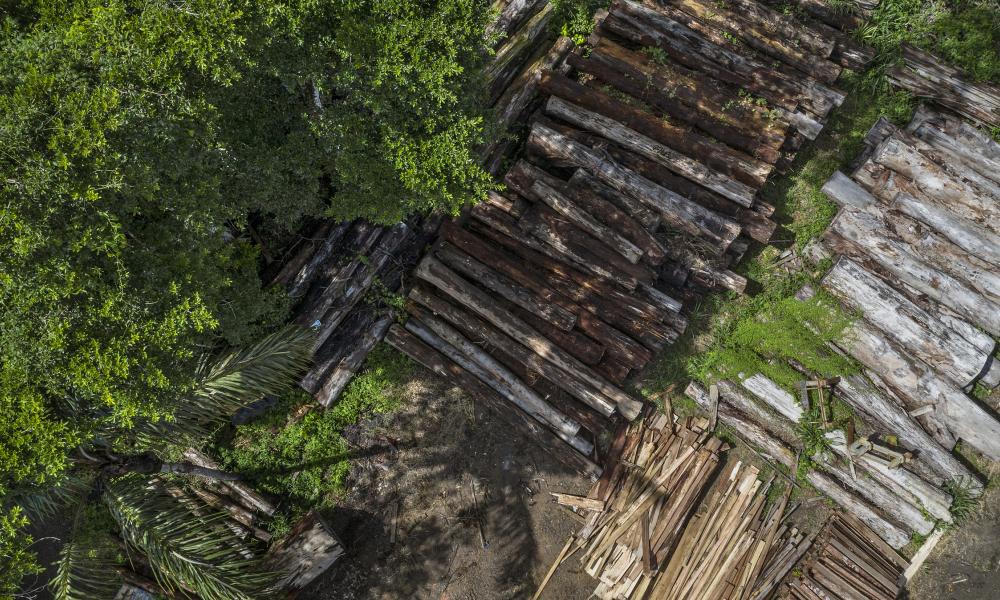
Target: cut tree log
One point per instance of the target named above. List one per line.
(891, 533)
(352, 351)
(513, 15)
(680, 212)
(407, 343)
(970, 146)
(308, 551)
(511, 56)
(920, 333)
(745, 426)
(778, 25)
(677, 162)
(777, 398)
(437, 274)
(967, 235)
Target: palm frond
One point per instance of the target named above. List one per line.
(235, 380)
(86, 571)
(42, 503)
(188, 547)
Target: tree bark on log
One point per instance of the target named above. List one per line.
(677, 162)
(512, 55)
(591, 195)
(482, 332)
(690, 98)
(967, 235)
(438, 335)
(892, 534)
(877, 408)
(435, 273)
(919, 332)
(357, 347)
(729, 163)
(776, 397)
(303, 251)
(779, 26)
(578, 345)
(774, 422)
(513, 15)
(863, 231)
(505, 288)
(970, 146)
(739, 22)
(407, 343)
(680, 212)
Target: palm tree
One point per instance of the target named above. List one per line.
(125, 477)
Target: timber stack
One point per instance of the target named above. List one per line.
(339, 274)
(635, 191)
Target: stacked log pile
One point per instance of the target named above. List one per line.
(894, 502)
(636, 190)
(919, 236)
(336, 273)
(847, 561)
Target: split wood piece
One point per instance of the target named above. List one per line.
(920, 333)
(592, 195)
(504, 287)
(948, 133)
(862, 397)
(513, 15)
(965, 190)
(582, 248)
(520, 422)
(308, 551)
(446, 340)
(736, 22)
(246, 495)
(640, 320)
(677, 162)
(780, 565)
(687, 96)
(509, 59)
(511, 204)
(892, 534)
(925, 76)
(580, 502)
(480, 330)
(681, 213)
(729, 163)
(865, 232)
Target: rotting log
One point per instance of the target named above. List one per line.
(728, 162)
(784, 27)
(681, 213)
(677, 162)
(967, 144)
(407, 343)
(356, 347)
(967, 235)
(891, 533)
(435, 273)
(768, 418)
(513, 15)
(510, 57)
(919, 332)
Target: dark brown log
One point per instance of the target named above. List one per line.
(738, 21)
(592, 195)
(613, 370)
(515, 418)
(505, 287)
(435, 273)
(690, 98)
(513, 15)
(835, 16)
(482, 332)
(778, 26)
(677, 162)
(728, 162)
(510, 203)
(356, 349)
(581, 347)
(303, 251)
(679, 212)
(347, 235)
(619, 346)
(512, 55)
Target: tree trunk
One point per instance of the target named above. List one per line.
(919, 332)
(247, 496)
(779, 26)
(975, 240)
(970, 146)
(677, 162)
(767, 418)
(777, 398)
(515, 418)
(681, 213)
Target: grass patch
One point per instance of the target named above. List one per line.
(296, 451)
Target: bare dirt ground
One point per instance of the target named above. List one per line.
(457, 479)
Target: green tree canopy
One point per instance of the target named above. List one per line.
(139, 138)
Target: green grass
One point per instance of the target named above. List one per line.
(303, 459)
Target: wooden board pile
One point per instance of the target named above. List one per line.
(895, 502)
(336, 272)
(636, 191)
(847, 561)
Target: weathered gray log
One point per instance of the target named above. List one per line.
(481, 331)
(970, 146)
(890, 414)
(680, 212)
(925, 76)
(865, 231)
(891, 533)
(688, 97)
(737, 22)
(582, 219)
(967, 235)
(966, 190)
(309, 549)
(777, 398)
(407, 343)
(591, 194)
(847, 193)
(247, 496)
(513, 15)
(505, 287)
(437, 274)
(658, 298)
(715, 161)
(442, 337)
(769, 419)
(919, 332)
(955, 415)
(684, 166)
